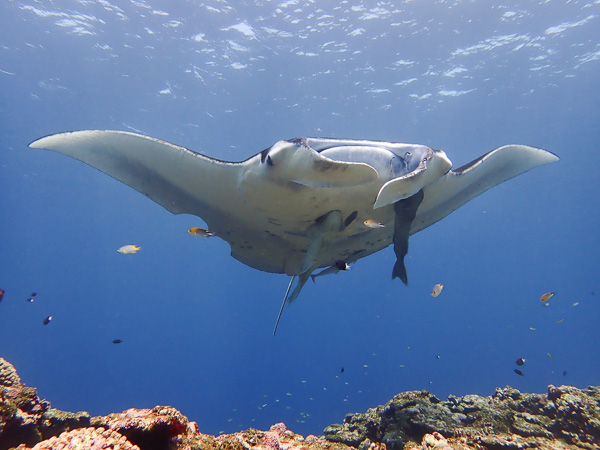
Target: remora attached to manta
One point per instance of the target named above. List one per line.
(301, 204)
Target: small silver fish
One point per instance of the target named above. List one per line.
(129, 249)
(437, 290)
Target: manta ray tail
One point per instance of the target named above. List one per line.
(405, 210)
(283, 304)
(302, 279)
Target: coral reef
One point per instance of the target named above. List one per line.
(8, 374)
(151, 429)
(24, 418)
(85, 439)
(564, 418)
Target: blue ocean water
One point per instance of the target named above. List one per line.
(229, 79)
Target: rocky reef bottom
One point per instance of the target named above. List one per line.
(564, 418)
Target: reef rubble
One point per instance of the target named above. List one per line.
(563, 418)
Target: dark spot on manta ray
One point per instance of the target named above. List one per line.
(264, 154)
(351, 217)
(323, 165)
(319, 220)
(312, 181)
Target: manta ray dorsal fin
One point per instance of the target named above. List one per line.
(294, 161)
(467, 182)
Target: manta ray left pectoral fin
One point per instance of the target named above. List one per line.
(406, 211)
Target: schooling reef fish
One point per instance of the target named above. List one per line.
(547, 296)
(370, 223)
(201, 232)
(129, 249)
(301, 204)
(437, 290)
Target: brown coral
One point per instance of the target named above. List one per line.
(277, 438)
(86, 439)
(8, 374)
(149, 428)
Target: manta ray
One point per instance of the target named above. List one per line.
(302, 204)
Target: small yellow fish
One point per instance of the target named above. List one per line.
(549, 355)
(129, 249)
(437, 290)
(371, 223)
(547, 296)
(197, 231)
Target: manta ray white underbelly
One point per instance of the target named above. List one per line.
(301, 204)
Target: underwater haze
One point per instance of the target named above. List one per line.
(230, 78)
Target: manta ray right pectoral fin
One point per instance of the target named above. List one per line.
(405, 210)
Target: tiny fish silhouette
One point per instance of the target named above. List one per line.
(117, 341)
(129, 249)
(520, 361)
(518, 372)
(547, 296)
(47, 320)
